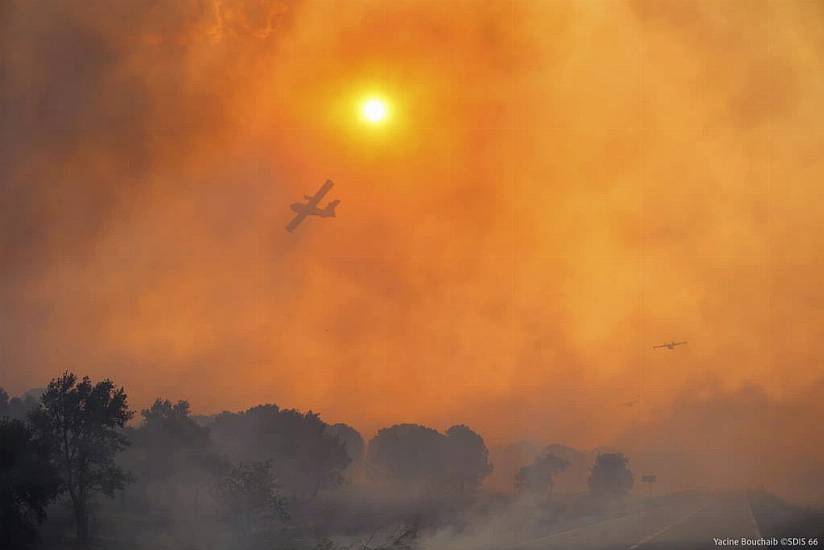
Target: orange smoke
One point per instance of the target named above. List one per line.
(561, 186)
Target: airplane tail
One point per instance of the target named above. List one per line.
(329, 211)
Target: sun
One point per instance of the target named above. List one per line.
(374, 110)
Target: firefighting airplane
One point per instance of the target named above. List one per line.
(669, 345)
(310, 208)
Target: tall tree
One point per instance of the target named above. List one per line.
(170, 438)
(249, 496)
(451, 463)
(171, 457)
(304, 457)
(83, 423)
(28, 483)
(351, 439)
(409, 453)
(466, 458)
(536, 478)
(610, 475)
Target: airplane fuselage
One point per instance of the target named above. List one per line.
(669, 345)
(303, 208)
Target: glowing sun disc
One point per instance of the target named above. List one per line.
(374, 110)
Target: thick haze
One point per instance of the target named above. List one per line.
(561, 186)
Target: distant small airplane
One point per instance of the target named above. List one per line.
(669, 345)
(630, 403)
(310, 207)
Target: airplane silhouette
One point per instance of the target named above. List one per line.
(310, 207)
(669, 345)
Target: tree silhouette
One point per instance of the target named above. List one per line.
(248, 495)
(610, 475)
(170, 438)
(82, 423)
(351, 439)
(173, 422)
(171, 456)
(352, 442)
(407, 452)
(4, 402)
(17, 407)
(536, 478)
(467, 459)
(304, 457)
(28, 483)
(456, 462)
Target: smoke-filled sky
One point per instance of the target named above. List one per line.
(560, 186)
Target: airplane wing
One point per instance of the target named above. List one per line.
(313, 202)
(295, 222)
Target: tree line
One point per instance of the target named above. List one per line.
(252, 469)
